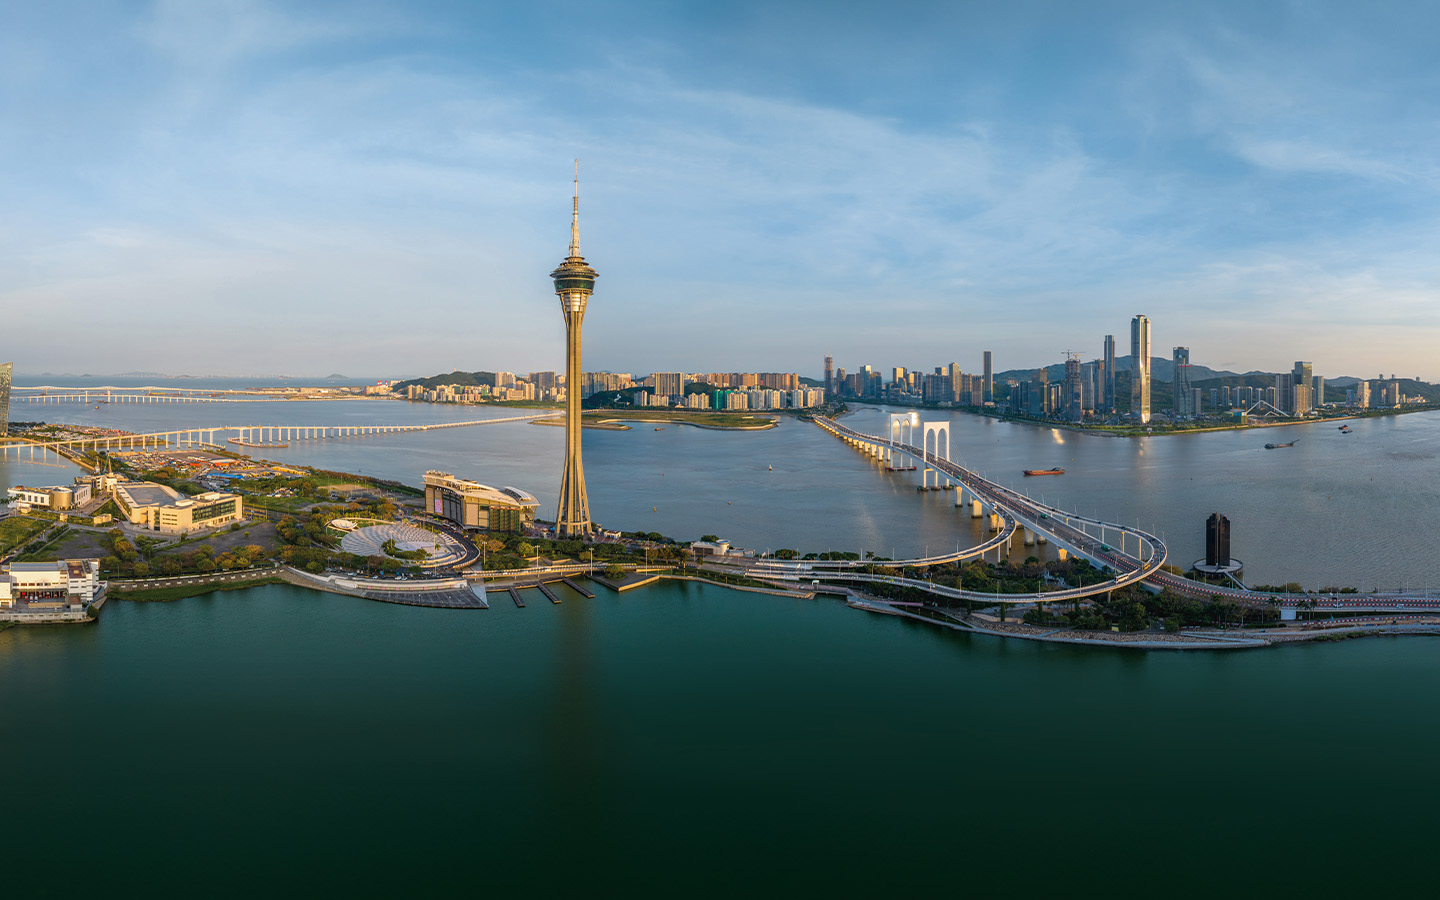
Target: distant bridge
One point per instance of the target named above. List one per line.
(243, 435)
(53, 394)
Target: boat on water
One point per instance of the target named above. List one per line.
(1044, 471)
(1279, 446)
(660, 429)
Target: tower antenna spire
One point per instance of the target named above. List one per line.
(575, 216)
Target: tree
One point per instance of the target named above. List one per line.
(709, 538)
(525, 549)
(614, 572)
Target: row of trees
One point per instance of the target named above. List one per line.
(143, 558)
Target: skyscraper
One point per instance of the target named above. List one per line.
(1217, 540)
(1140, 371)
(1108, 403)
(989, 378)
(574, 282)
(829, 376)
(1074, 394)
(1181, 364)
(5, 370)
(1302, 382)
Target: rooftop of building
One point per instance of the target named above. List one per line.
(508, 495)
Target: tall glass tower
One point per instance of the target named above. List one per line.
(574, 282)
(1108, 403)
(1140, 371)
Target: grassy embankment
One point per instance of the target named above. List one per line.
(615, 418)
(183, 591)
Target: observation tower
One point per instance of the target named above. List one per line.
(574, 282)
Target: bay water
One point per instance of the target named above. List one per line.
(689, 739)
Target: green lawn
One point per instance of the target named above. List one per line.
(16, 530)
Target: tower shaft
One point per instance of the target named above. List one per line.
(574, 282)
(572, 518)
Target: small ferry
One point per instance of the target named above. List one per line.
(660, 429)
(1280, 446)
(1044, 471)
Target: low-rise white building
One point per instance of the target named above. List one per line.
(59, 584)
(160, 508)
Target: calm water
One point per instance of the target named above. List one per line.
(1352, 510)
(687, 739)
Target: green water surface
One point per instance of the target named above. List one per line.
(688, 739)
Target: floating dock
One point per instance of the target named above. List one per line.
(547, 592)
(578, 589)
(515, 595)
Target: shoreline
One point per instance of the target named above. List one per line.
(618, 423)
(1138, 431)
(1195, 639)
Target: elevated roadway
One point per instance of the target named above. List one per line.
(1073, 532)
(1014, 510)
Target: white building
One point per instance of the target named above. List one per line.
(54, 585)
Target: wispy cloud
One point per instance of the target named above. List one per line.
(305, 163)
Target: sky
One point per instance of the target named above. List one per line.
(382, 189)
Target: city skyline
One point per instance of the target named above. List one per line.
(1252, 175)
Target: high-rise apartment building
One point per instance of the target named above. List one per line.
(6, 371)
(989, 385)
(1317, 390)
(670, 384)
(1180, 362)
(829, 376)
(574, 283)
(1140, 371)
(1108, 401)
(1074, 395)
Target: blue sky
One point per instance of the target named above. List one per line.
(378, 188)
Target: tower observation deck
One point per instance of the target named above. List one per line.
(574, 282)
